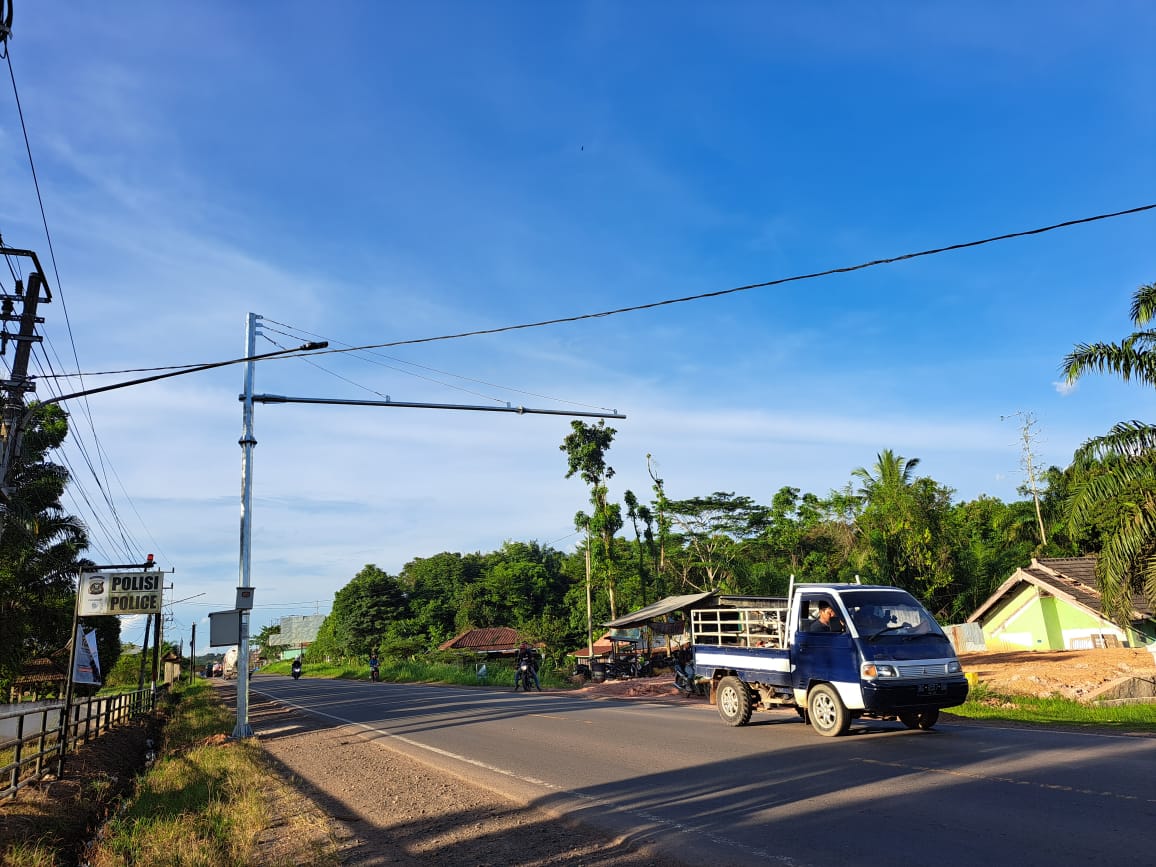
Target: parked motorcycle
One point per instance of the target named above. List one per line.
(295, 670)
(629, 665)
(684, 676)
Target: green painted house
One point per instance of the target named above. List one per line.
(1054, 604)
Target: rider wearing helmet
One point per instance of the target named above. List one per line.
(528, 654)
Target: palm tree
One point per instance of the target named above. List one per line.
(1126, 459)
(39, 547)
(892, 472)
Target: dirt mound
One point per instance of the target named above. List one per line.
(1073, 674)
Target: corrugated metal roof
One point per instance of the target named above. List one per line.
(659, 609)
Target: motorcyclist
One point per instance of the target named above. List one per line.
(527, 654)
(374, 667)
(297, 666)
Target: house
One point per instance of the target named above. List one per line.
(1054, 604)
(491, 641)
(41, 677)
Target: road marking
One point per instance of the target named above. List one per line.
(949, 772)
(668, 825)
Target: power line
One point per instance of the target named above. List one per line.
(847, 269)
(87, 410)
(370, 356)
(777, 282)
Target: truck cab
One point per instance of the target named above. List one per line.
(834, 652)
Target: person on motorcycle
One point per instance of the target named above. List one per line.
(374, 667)
(527, 654)
(296, 668)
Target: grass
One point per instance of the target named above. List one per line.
(984, 704)
(205, 802)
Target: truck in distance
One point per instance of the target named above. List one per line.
(877, 653)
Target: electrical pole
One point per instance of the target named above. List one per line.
(19, 384)
(247, 442)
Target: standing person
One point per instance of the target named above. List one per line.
(374, 667)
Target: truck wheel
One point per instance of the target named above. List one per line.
(826, 712)
(923, 719)
(734, 701)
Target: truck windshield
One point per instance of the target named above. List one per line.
(878, 613)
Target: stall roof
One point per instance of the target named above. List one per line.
(663, 606)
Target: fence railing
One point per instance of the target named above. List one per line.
(33, 743)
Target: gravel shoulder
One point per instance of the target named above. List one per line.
(364, 803)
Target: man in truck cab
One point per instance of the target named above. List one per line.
(827, 620)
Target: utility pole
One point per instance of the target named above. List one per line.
(20, 383)
(248, 442)
(144, 654)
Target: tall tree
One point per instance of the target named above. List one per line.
(637, 512)
(713, 528)
(364, 609)
(39, 547)
(1127, 456)
(905, 529)
(586, 447)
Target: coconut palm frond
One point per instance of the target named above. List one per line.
(1127, 439)
(1118, 481)
(1148, 578)
(1123, 555)
(1144, 304)
(1125, 359)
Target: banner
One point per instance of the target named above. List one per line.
(86, 668)
(120, 593)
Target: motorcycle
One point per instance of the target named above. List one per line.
(374, 670)
(524, 676)
(627, 666)
(684, 676)
(296, 669)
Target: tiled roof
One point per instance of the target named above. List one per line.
(1073, 578)
(42, 670)
(493, 639)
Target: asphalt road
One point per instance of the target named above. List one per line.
(774, 791)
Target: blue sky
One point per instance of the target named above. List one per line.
(373, 172)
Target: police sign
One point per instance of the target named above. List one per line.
(120, 593)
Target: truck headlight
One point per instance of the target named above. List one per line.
(954, 667)
(871, 670)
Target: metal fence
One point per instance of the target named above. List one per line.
(33, 743)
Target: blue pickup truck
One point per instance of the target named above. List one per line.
(834, 652)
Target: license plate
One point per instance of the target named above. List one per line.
(932, 689)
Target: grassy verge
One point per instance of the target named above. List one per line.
(205, 802)
(984, 704)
